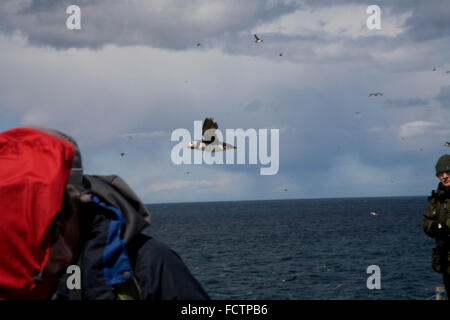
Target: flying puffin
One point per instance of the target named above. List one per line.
(209, 143)
(258, 40)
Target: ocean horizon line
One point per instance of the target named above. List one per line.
(291, 199)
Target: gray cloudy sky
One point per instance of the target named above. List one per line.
(134, 69)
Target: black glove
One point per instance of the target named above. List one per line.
(439, 229)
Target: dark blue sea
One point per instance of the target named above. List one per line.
(302, 249)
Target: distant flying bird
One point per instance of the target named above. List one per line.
(280, 54)
(285, 189)
(447, 144)
(357, 112)
(209, 142)
(434, 69)
(198, 44)
(122, 154)
(374, 213)
(375, 94)
(258, 40)
(448, 71)
(188, 172)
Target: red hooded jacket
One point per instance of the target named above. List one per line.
(34, 170)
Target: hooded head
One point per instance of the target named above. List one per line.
(443, 164)
(76, 174)
(35, 168)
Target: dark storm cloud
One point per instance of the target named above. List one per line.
(165, 24)
(180, 25)
(404, 103)
(429, 19)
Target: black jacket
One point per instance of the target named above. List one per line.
(436, 223)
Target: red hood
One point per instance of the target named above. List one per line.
(34, 170)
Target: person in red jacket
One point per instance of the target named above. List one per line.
(52, 215)
(34, 209)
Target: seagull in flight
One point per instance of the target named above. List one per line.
(258, 40)
(375, 94)
(209, 142)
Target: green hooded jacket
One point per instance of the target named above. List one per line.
(439, 210)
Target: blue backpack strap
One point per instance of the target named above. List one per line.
(117, 267)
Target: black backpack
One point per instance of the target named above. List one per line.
(126, 218)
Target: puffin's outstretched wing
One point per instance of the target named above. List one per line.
(207, 125)
(258, 40)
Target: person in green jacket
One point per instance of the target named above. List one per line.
(436, 220)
